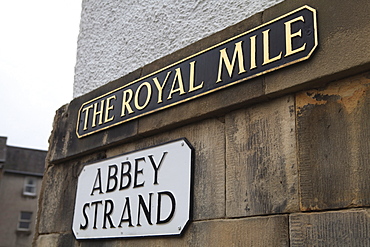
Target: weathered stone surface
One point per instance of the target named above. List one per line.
(137, 242)
(56, 240)
(261, 159)
(334, 228)
(50, 240)
(257, 231)
(208, 139)
(57, 199)
(344, 47)
(58, 195)
(334, 151)
(121, 149)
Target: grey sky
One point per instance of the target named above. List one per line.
(37, 57)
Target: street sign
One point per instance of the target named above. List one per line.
(143, 193)
(281, 42)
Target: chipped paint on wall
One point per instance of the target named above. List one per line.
(348, 92)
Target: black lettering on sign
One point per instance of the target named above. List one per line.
(108, 210)
(137, 172)
(126, 208)
(125, 174)
(146, 209)
(156, 167)
(97, 183)
(102, 216)
(96, 205)
(112, 177)
(159, 207)
(83, 227)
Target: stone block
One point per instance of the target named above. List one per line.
(254, 231)
(137, 242)
(56, 240)
(334, 228)
(50, 240)
(121, 149)
(333, 131)
(257, 231)
(261, 172)
(57, 202)
(344, 47)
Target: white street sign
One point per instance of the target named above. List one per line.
(143, 193)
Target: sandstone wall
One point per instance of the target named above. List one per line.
(280, 160)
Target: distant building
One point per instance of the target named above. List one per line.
(21, 172)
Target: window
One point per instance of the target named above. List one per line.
(25, 221)
(29, 186)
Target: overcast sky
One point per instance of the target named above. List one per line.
(38, 48)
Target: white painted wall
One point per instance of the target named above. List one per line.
(120, 36)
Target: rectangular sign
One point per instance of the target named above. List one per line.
(143, 193)
(286, 40)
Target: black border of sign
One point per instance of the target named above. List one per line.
(191, 201)
(314, 12)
